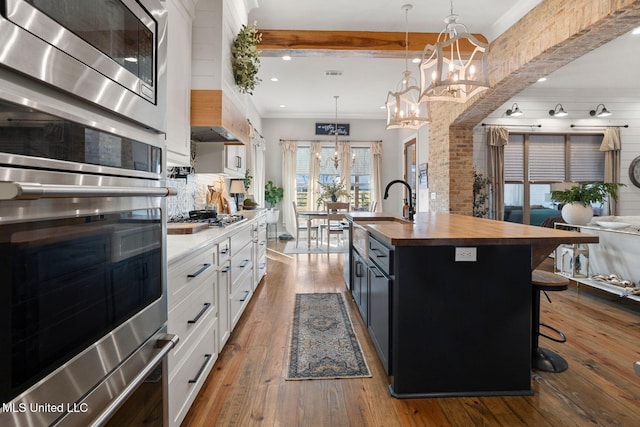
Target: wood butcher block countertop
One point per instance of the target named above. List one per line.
(439, 229)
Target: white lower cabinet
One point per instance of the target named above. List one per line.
(208, 291)
(224, 288)
(193, 312)
(187, 379)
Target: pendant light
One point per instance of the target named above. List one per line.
(446, 73)
(404, 109)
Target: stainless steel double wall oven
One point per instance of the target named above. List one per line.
(82, 213)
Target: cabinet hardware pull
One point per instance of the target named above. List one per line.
(226, 269)
(376, 272)
(245, 262)
(246, 294)
(207, 357)
(197, 273)
(224, 251)
(358, 269)
(199, 315)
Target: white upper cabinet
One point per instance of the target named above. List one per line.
(179, 82)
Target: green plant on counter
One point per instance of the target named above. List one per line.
(273, 194)
(245, 60)
(587, 193)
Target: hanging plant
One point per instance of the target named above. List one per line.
(245, 58)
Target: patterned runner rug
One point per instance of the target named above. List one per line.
(323, 343)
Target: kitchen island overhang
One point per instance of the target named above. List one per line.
(460, 327)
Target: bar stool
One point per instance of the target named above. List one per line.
(541, 358)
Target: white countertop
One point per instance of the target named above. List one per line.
(181, 245)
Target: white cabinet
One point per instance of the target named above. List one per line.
(235, 159)
(224, 286)
(241, 288)
(193, 309)
(207, 292)
(178, 137)
(259, 250)
(215, 157)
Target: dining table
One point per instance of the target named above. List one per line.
(310, 216)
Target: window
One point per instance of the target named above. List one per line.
(302, 177)
(360, 182)
(543, 160)
(361, 178)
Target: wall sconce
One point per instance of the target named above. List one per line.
(558, 111)
(600, 112)
(514, 111)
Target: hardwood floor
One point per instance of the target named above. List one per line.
(247, 388)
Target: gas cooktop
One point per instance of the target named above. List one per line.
(199, 217)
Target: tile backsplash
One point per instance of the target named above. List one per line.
(192, 192)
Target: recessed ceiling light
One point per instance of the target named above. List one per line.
(282, 105)
(542, 79)
(286, 58)
(274, 79)
(636, 31)
(416, 60)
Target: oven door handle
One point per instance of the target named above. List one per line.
(165, 344)
(10, 190)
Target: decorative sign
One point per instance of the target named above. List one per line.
(329, 129)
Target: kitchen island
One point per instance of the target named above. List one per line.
(447, 300)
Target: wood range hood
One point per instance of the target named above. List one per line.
(215, 118)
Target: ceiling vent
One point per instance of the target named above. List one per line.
(331, 73)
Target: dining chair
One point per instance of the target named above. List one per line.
(303, 227)
(336, 212)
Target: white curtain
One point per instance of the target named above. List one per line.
(344, 151)
(497, 138)
(289, 149)
(376, 164)
(313, 188)
(611, 145)
(257, 164)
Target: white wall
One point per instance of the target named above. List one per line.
(304, 129)
(536, 103)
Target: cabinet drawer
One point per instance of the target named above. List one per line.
(184, 277)
(224, 251)
(189, 317)
(240, 239)
(241, 262)
(239, 299)
(187, 380)
(381, 254)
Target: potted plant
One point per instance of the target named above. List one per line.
(272, 195)
(577, 200)
(331, 191)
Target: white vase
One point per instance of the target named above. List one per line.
(577, 213)
(273, 215)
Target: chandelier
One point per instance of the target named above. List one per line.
(447, 72)
(404, 109)
(336, 155)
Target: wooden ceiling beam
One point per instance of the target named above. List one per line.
(372, 44)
